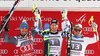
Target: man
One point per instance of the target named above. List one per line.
(24, 38)
(55, 36)
(16, 39)
(79, 42)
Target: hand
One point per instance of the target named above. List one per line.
(37, 12)
(64, 14)
(64, 11)
(94, 25)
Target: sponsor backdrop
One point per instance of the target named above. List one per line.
(7, 49)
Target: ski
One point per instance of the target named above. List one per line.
(34, 7)
(46, 36)
(7, 18)
(69, 37)
(33, 10)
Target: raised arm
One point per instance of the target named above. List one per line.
(12, 40)
(96, 35)
(95, 26)
(37, 23)
(65, 24)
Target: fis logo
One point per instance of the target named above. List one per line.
(81, 19)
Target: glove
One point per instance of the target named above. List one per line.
(64, 14)
(94, 25)
(37, 13)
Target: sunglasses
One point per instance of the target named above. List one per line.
(54, 26)
(78, 30)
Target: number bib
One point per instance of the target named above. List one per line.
(55, 41)
(76, 46)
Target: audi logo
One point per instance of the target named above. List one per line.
(90, 29)
(26, 48)
(38, 51)
(39, 40)
(3, 51)
(16, 51)
(89, 52)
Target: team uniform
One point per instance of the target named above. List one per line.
(55, 39)
(20, 40)
(80, 43)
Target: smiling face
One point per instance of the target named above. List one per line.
(77, 31)
(24, 31)
(54, 27)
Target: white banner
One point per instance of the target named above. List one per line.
(9, 3)
(52, 3)
(65, 3)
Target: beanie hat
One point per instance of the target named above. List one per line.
(78, 25)
(24, 24)
(54, 21)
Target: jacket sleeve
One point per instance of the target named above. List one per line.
(12, 40)
(37, 27)
(92, 39)
(65, 27)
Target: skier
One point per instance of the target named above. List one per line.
(16, 39)
(80, 42)
(55, 36)
(22, 39)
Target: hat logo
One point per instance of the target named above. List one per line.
(24, 25)
(54, 20)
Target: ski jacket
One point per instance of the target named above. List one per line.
(79, 44)
(55, 39)
(18, 40)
